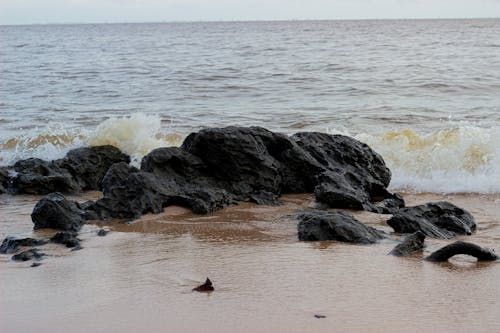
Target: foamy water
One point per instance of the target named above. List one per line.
(465, 158)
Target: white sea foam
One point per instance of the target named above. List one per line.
(464, 158)
(460, 159)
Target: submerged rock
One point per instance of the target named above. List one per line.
(28, 255)
(445, 253)
(81, 169)
(207, 286)
(336, 225)
(55, 212)
(437, 219)
(411, 244)
(68, 238)
(12, 244)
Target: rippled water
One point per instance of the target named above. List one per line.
(284, 75)
(424, 93)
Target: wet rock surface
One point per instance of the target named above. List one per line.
(445, 253)
(437, 220)
(81, 169)
(336, 225)
(220, 166)
(67, 238)
(28, 255)
(411, 244)
(12, 244)
(56, 212)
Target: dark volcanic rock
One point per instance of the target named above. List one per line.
(220, 166)
(55, 212)
(4, 177)
(12, 244)
(354, 175)
(28, 255)
(36, 176)
(88, 165)
(68, 238)
(81, 169)
(336, 225)
(437, 219)
(411, 244)
(207, 286)
(443, 254)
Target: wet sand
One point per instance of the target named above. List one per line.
(140, 276)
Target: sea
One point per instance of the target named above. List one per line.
(425, 94)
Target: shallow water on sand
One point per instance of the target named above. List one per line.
(140, 276)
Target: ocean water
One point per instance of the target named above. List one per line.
(423, 93)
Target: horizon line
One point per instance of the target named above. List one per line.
(250, 20)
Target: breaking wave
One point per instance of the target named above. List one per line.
(460, 159)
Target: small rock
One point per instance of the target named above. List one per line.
(411, 244)
(319, 316)
(28, 255)
(12, 244)
(35, 264)
(102, 232)
(55, 212)
(67, 238)
(434, 219)
(207, 286)
(335, 225)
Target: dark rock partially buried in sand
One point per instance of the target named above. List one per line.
(436, 219)
(445, 253)
(55, 212)
(102, 232)
(220, 166)
(12, 244)
(411, 244)
(207, 286)
(28, 255)
(81, 169)
(4, 176)
(336, 225)
(67, 238)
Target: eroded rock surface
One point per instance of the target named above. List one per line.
(81, 169)
(336, 225)
(220, 166)
(12, 244)
(410, 244)
(436, 219)
(56, 212)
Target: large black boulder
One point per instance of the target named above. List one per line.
(435, 219)
(410, 244)
(335, 225)
(81, 169)
(56, 212)
(450, 250)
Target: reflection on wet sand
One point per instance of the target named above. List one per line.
(140, 276)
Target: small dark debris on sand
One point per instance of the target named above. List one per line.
(35, 264)
(319, 316)
(207, 286)
(102, 232)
